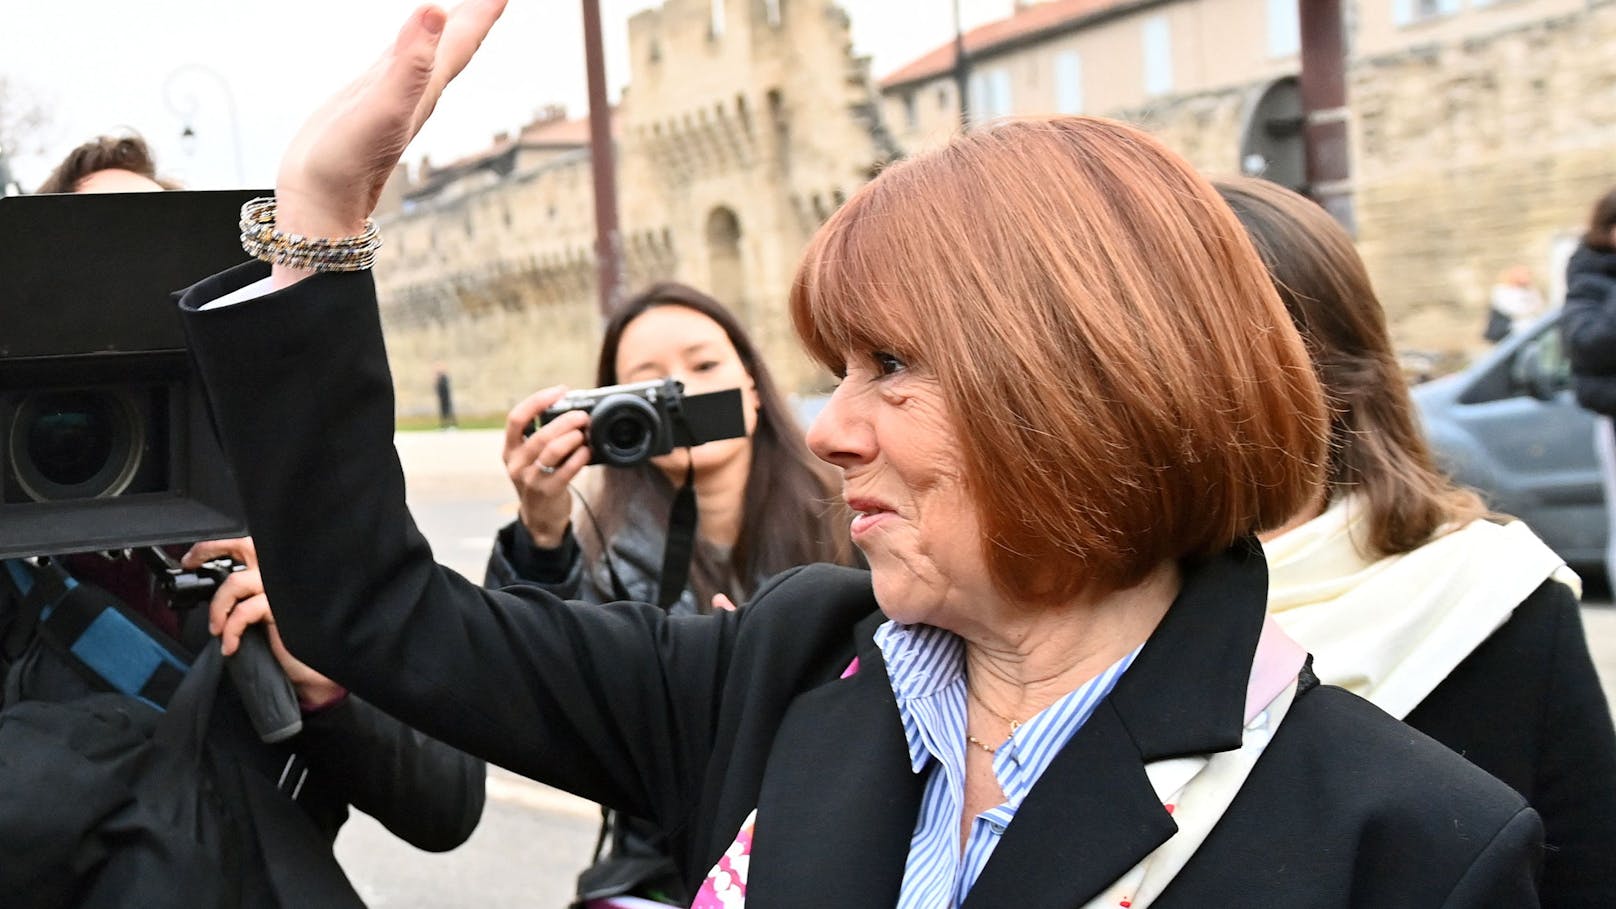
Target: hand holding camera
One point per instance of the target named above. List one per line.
(239, 615)
(551, 436)
(540, 464)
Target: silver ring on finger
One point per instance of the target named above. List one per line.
(546, 469)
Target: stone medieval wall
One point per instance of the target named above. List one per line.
(1477, 144)
(732, 148)
(1476, 154)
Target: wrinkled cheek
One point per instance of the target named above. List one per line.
(907, 581)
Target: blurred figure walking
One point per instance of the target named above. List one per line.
(1513, 303)
(446, 414)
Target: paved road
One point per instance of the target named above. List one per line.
(533, 840)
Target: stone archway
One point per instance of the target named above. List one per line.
(1272, 144)
(726, 273)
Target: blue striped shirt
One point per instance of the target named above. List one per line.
(927, 669)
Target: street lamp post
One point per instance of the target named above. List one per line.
(1326, 117)
(962, 75)
(184, 102)
(603, 164)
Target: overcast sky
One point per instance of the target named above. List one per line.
(101, 65)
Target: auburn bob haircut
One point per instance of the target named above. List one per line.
(1124, 381)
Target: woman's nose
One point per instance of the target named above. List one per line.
(840, 434)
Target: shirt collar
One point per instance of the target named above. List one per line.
(926, 667)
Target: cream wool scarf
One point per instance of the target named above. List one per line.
(1390, 630)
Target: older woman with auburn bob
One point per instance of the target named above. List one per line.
(1070, 398)
(1404, 592)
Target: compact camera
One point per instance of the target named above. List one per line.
(630, 424)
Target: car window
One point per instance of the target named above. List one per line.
(1540, 363)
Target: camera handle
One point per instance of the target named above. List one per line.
(265, 690)
(266, 693)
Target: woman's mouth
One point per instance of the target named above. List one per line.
(868, 515)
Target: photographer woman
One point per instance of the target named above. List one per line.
(763, 504)
(1070, 398)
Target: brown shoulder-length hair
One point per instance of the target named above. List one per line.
(1600, 222)
(789, 513)
(1124, 383)
(130, 153)
(1377, 449)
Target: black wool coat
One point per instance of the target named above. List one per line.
(696, 721)
(1527, 707)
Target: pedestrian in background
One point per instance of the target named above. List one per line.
(1513, 303)
(440, 385)
(1403, 590)
(1589, 329)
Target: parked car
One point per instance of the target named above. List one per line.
(1509, 426)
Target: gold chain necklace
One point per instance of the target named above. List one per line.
(1014, 723)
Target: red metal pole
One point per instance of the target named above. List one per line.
(603, 164)
(1323, 85)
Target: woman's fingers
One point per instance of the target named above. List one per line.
(723, 603)
(524, 413)
(552, 445)
(566, 457)
(334, 170)
(408, 75)
(462, 32)
(241, 585)
(241, 549)
(246, 612)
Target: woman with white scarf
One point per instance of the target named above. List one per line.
(1408, 593)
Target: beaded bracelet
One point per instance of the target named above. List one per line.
(262, 241)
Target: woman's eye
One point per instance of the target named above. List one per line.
(887, 364)
(706, 366)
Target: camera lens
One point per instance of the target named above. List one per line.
(623, 430)
(76, 444)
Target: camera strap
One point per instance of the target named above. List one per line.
(681, 544)
(97, 635)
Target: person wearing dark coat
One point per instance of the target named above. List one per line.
(1070, 399)
(1589, 329)
(1404, 591)
(348, 755)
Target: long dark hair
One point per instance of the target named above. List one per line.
(1377, 449)
(790, 513)
(1600, 222)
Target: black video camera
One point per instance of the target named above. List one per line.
(105, 440)
(630, 424)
